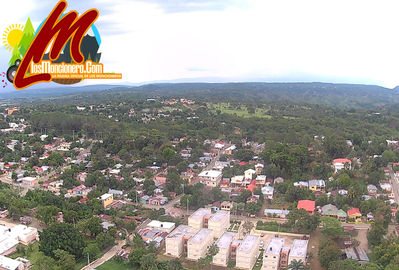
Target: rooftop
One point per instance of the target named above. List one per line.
(159, 224)
(274, 246)
(200, 236)
(210, 174)
(299, 248)
(200, 213)
(105, 196)
(248, 242)
(225, 240)
(219, 215)
(7, 263)
(180, 231)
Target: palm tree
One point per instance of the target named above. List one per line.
(296, 265)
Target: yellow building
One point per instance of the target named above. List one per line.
(106, 199)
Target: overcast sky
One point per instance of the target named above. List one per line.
(349, 41)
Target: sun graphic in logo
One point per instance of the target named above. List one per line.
(12, 36)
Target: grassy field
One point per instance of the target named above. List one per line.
(113, 265)
(241, 111)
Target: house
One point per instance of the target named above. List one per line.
(229, 150)
(224, 245)
(248, 174)
(162, 226)
(29, 181)
(308, 205)
(268, 192)
(260, 180)
(357, 254)
(317, 185)
(301, 184)
(372, 190)
(158, 200)
(259, 168)
(106, 199)
(11, 264)
(210, 178)
(329, 210)
(271, 255)
(355, 215)
(342, 163)
(237, 181)
(278, 180)
(226, 206)
(386, 185)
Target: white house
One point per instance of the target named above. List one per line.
(268, 192)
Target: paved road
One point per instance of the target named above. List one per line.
(107, 256)
(395, 184)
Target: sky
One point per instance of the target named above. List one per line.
(341, 41)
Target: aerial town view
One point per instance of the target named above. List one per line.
(240, 134)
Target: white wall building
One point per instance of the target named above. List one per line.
(271, 257)
(224, 245)
(298, 251)
(210, 178)
(197, 246)
(248, 252)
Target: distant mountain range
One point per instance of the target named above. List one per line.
(327, 94)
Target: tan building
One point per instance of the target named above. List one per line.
(29, 181)
(197, 246)
(248, 252)
(196, 220)
(298, 250)
(219, 223)
(106, 199)
(271, 257)
(210, 178)
(224, 245)
(176, 241)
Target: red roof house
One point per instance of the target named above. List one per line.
(308, 205)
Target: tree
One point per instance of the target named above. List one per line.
(92, 250)
(66, 261)
(376, 233)
(61, 236)
(248, 225)
(348, 264)
(301, 221)
(47, 214)
(328, 252)
(91, 226)
(296, 265)
(43, 262)
(331, 227)
(104, 240)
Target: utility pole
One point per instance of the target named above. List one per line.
(88, 259)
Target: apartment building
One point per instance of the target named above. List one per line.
(196, 220)
(271, 257)
(224, 245)
(298, 250)
(176, 241)
(284, 255)
(218, 222)
(197, 246)
(248, 252)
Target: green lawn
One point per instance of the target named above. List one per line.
(241, 112)
(259, 261)
(113, 265)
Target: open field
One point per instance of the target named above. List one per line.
(113, 265)
(241, 111)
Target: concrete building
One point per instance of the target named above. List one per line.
(284, 256)
(10, 264)
(218, 223)
(162, 226)
(196, 220)
(106, 199)
(298, 251)
(224, 245)
(210, 178)
(29, 181)
(197, 246)
(11, 237)
(176, 241)
(271, 259)
(247, 252)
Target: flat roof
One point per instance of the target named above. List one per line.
(201, 235)
(225, 240)
(274, 246)
(159, 224)
(200, 213)
(248, 242)
(299, 248)
(211, 173)
(181, 231)
(8, 263)
(105, 196)
(219, 215)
